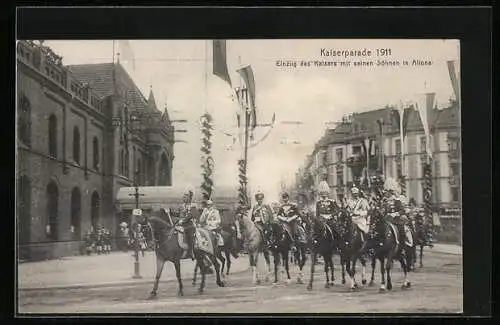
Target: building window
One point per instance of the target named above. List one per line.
(76, 209)
(423, 144)
(95, 210)
(53, 136)
(51, 228)
(95, 153)
(340, 177)
(356, 150)
(340, 155)
(454, 194)
(397, 145)
(76, 145)
(164, 177)
(399, 169)
(454, 169)
(24, 120)
(331, 175)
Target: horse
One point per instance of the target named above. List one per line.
(386, 249)
(421, 240)
(254, 244)
(324, 242)
(281, 242)
(168, 241)
(351, 248)
(230, 248)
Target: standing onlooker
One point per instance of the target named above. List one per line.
(123, 236)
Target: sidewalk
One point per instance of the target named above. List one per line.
(116, 268)
(447, 248)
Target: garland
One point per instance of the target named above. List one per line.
(242, 193)
(207, 160)
(427, 187)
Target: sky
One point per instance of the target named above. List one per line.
(180, 74)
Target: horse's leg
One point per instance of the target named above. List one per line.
(382, 274)
(287, 266)
(311, 277)
(421, 255)
(268, 265)
(354, 285)
(277, 262)
(200, 261)
(332, 268)
(404, 261)
(223, 262)
(372, 278)
(300, 260)
(388, 269)
(326, 268)
(228, 259)
(177, 265)
(217, 267)
(160, 263)
(253, 265)
(363, 270)
(343, 265)
(196, 266)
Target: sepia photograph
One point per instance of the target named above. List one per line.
(238, 176)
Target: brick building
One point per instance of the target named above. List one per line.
(83, 132)
(332, 157)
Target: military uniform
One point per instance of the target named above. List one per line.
(289, 213)
(262, 216)
(358, 207)
(186, 215)
(210, 219)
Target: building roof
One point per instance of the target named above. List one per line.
(99, 76)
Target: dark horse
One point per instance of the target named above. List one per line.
(230, 248)
(421, 231)
(281, 243)
(351, 247)
(168, 248)
(386, 249)
(324, 241)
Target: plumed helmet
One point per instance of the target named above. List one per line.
(392, 185)
(354, 190)
(323, 187)
(285, 195)
(259, 196)
(123, 224)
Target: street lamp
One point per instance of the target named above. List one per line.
(136, 213)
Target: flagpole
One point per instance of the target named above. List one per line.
(401, 117)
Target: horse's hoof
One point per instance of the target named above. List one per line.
(180, 293)
(309, 287)
(194, 283)
(406, 285)
(266, 279)
(332, 284)
(299, 281)
(389, 286)
(356, 286)
(221, 284)
(352, 289)
(343, 281)
(200, 291)
(275, 284)
(371, 284)
(363, 281)
(288, 281)
(151, 297)
(382, 290)
(258, 282)
(327, 285)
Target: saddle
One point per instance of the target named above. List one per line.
(407, 231)
(300, 232)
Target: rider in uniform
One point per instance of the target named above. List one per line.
(358, 207)
(326, 208)
(286, 212)
(262, 216)
(395, 206)
(210, 219)
(187, 214)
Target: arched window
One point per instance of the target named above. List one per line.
(76, 213)
(52, 229)
(95, 210)
(164, 177)
(24, 120)
(53, 136)
(76, 145)
(95, 151)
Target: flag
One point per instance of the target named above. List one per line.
(126, 52)
(453, 70)
(246, 74)
(220, 60)
(425, 106)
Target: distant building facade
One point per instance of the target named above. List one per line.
(334, 156)
(83, 132)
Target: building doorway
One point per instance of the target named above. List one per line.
(95, 210)
(52, 228)
(76, 214)
(24, 216)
